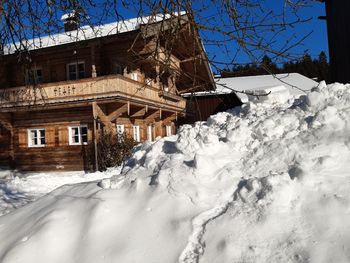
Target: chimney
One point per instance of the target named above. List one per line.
(71, 21)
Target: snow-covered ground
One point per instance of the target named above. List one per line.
(269, 182)
(18, 189)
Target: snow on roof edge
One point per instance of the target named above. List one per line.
(86, 33)
(230, 87)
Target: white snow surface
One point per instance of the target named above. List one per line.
(293, 83)
(268, 182)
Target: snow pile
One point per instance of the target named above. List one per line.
(266, 183)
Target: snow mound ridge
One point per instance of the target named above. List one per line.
(267, 182)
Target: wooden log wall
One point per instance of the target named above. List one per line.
(57, 154)
(6, 147)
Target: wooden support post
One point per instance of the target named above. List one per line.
(95, 145)
(158, 76)
(94, 113)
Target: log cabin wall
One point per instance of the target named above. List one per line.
(57, 154)
(200, 108)
(104, 55)
(6, 140)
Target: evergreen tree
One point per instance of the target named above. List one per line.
(323, 67)
(268, 66)
(317, 68)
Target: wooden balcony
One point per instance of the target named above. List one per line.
(86, 90)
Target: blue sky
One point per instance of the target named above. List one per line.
(313, 44)
(213, 16)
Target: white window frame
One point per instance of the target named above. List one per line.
(76, 69)
(39, 144)
(148, 81)
(136, 132)
(134, 76)
(169, 130)
(150, 133)
(70, 134)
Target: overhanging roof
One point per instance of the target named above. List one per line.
(87, 33)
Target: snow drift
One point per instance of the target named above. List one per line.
(268, 182)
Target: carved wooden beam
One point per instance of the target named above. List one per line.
(170, 118)
(191, 88)
(139, 113)
(99, 114)
(116, 113)
(153, 115)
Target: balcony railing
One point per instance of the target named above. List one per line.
(112, 86)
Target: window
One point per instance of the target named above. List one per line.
(150, 132)
(136, 133)
(134, 76)
(118, 69)
(36, 137)
(120, 129)
(34, 76)
(120, 132)
(78, 135)
(169, 130)
(76, 70)
(148, 81)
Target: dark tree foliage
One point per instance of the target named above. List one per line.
(312, 68)
(113, 150)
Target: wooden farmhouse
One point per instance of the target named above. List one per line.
(60, 92)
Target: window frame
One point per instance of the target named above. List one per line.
(76, 65)
(80, 135)
(30, 141)
(169, 130)
(117, 69)
(150, 133)
(32, 77)
(134, 76)
(137, 129)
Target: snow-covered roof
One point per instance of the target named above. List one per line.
(88, 32)
(295, 83)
